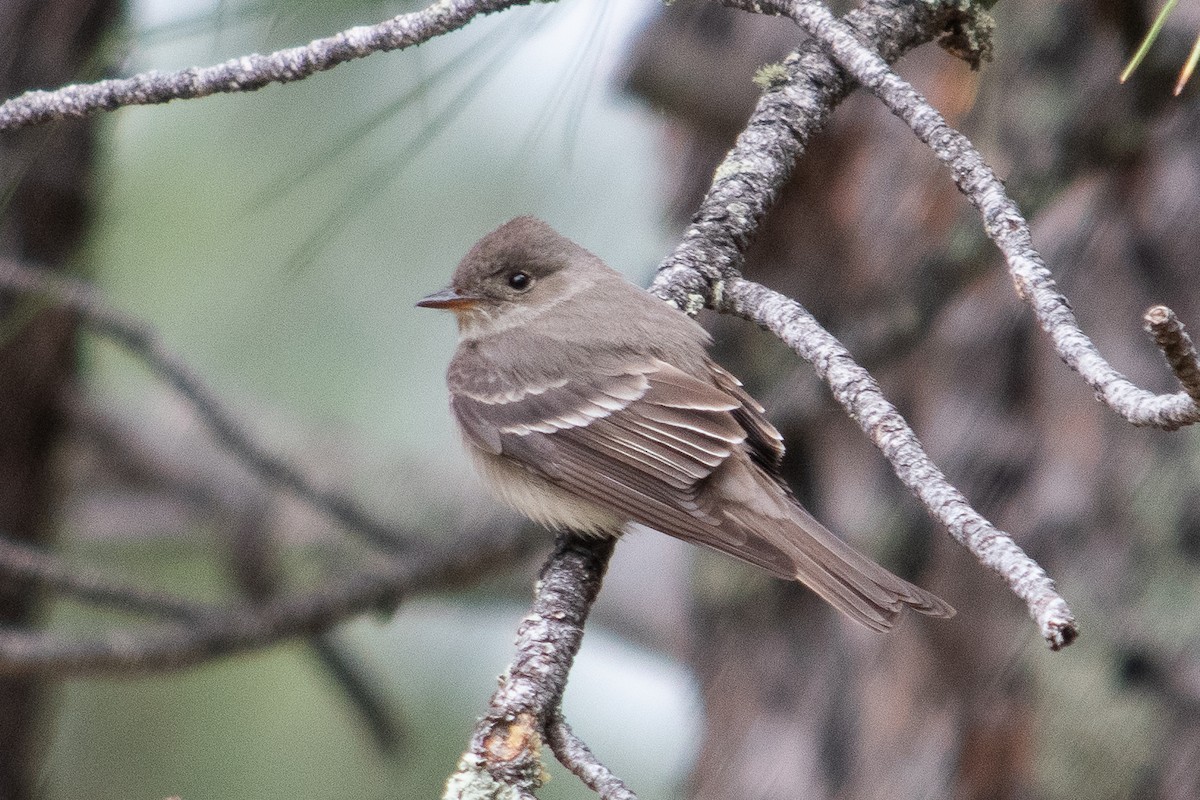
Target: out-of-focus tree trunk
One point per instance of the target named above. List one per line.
(873, 238)
(44, 177)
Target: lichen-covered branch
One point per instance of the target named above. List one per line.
(857, 392)
(246, 73)
(748, 181)
(1002, 220)
(505, 753)
(705, 269)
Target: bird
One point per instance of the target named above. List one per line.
(586, 403)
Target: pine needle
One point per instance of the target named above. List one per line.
(1189, 67)
(1148, 41)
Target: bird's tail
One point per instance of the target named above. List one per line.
(777, 534)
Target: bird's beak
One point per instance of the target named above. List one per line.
(448, 298)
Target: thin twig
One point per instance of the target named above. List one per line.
(1175, 343)
(574, 754)
(505, 750)
(241, 509)
(1002, 220)
(250, 72)
(145, 343)
(857, 392)
(385, 728)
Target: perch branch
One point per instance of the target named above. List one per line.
(1002, 220)
(504, 755)
(249, 72)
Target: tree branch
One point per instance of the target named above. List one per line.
(705, 270)
(505, 750)
(47, 570)
(858, 393)
(221, 631)
(575, 755)
(247, 73)
(1002, 220)
(1175, 343)
(748, 181)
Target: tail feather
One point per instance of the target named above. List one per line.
(855, 584)
(778, 535)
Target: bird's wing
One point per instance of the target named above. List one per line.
(692, 459)
(763, 440)
(638, 439)
(643, 440)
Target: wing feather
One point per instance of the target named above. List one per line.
(645, 419)
(765, 442)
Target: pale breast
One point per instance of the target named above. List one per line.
(540, 500)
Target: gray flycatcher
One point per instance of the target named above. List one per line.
(587, 403)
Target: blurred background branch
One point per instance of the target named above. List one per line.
(146, 345)
(206, 633)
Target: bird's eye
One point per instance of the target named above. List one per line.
(520, 281)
